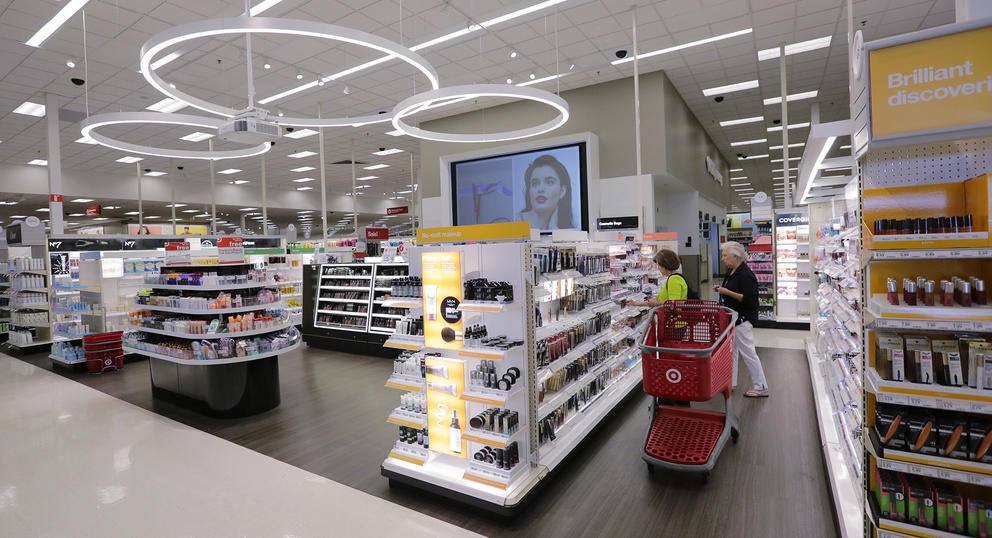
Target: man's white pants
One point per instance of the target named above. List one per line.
(744, 347)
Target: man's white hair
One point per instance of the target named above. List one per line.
(734, 249)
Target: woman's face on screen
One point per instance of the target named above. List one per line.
(546, 189)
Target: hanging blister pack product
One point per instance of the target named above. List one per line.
(949, 369)
(890, 358)
(920, 358)
(976, 348)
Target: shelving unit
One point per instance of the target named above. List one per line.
(30, 320)
(242, 377)
(458, 474)
(792, 266)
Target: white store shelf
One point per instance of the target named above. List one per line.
(208, 312)
(214, 361)
(209, 288)
(212, 335)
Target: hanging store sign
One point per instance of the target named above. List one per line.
(606, 224)
(376, 234)
(398, 210)
(714, 170)
(475, 232)
(177, 253)
(67, 244)
(230, 250)
(93, 211)
(931, 85)
(791, 219)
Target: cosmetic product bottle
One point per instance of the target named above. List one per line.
(965, 294)
(909, 292)
(455, 434)
(948, 296)
(928, 298)
(965, 226)
(430, 302)
(921, 284)
(978, 290)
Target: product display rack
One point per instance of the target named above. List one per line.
(219, 370)
(349, 305)
(29, 306)
(761, 260)
(614, 375)
(834, 354)
(792, 266)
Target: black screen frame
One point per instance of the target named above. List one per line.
(583, 178)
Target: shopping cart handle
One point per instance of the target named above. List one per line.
(683, 351)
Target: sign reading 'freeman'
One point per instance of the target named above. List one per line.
(931, 85)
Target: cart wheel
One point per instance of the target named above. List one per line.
(706, 477)
(734, 434)
(650, 468)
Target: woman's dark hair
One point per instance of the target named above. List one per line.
(668, 259)
(565, 204)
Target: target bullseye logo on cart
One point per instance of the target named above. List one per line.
(673, 376)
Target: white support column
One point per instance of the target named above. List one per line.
(172, 188)
(785, 127)
(141, 213)
(265, 200)
(354, 190)
(969, 10)
(213, 191)
(413, 197)
(637, 122)
(54, 164)
(323, 178)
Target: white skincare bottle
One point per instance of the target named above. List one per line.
(455, 435)
(430, 302)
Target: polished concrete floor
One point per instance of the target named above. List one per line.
(332, 424)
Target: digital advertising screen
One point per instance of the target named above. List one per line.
(545, 187)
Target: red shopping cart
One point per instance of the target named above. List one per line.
(103, 351)
(687, 355)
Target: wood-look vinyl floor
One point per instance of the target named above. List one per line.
(332, 422)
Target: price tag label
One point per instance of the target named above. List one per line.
(983, 253)
(962, 406)
(929, 254)
(177, 253)
(916, 469)
(947, 474)
(917, 401)
(899, 399)
(945, 404)
(932, 325)
(980, 479)
(979, 407)
(961, 325)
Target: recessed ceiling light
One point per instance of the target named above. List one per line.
(740, 86)
(796, 145)
(77, 214)
(736, 178)
(741, 121)
(303, 180)
(301, 133)
(130, 159)
(795, 48)
(683, 46)
(509, 81)
(303, 169)
(42, 210)
(248, 209)
(131, 213)
(736, 169)
(152, 217)
(395, 133)
(750, 157)
(191, 210)
(155, 174)
(81, 200)
(229, 171)
(301, 154)
(390, 151)
(571, 67)
(202, 215)
(791, 127)
(55, 22)
(513, 54)
(100, 218)
(304, 188)
(239, 182)
(38, 162)
(790, 158)
(299, 76)
(196, 136)
(267, 65)
(792, 97)
(376, 166)
(175, 205)
(749, 142)
(783, 170)
(366, 178)
(403, 192)
(363, 186)
(30, 109)
(85, 140)
(846, 146)
(18, 216)
(166, 105)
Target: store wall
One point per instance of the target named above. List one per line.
(34, 180)
(607, 111)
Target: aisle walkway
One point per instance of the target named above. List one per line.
(77, 462)
(332, 423)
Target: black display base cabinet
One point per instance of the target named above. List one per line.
(231, 390)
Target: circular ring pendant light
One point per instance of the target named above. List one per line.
(424, 100)
(89, 125)
(267, 25)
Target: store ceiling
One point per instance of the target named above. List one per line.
(588, 34)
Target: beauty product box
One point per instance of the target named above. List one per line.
(950, 370)
(920, 359)
(890, 358)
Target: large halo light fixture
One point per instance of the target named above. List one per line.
(89, 126)
(424, 100)
(267, 25)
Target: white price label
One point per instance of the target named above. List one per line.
(929, 254)
(915, 469)
(978, 407)
(984, 253)
(980, 479)
(952, 253)
(899, 399)
(932, 325)
(952, 475)
(945, 404)
(917, 401)
(962, 406)
(961, 325)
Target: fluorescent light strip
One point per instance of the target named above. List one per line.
(749, 142)
(740, 86)
(790, 158)
(164, 60)
(782, 169)
(684, 46)
(196, 137)
(303, 169)
(792, 97)
(304, 180)
(795, 48)
(385, 152)
(55, 23)
(30, 109)
(262, 6)
(301, 133)
(447, 37)
(129, 159)
(792, 126)
(736, 169)
(166, 105)
(301, 154)
(38, 162)
(540, 80)
(395, 132)
(376, 166)
(229, 171)
(751, 157)
(85, 140)
(846, 146)
(366, 178)
(742, 121)
(796, 145)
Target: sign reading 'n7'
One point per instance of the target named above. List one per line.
(932, 85)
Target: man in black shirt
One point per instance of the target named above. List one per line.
(739, 292)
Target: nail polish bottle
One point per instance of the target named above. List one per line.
(909, 292)
(921, 285)
(947, 297)
(928, 299)
(965, 293)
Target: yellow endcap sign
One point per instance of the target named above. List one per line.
(938, 83)
(474, 232)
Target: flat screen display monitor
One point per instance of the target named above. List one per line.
(546, 187)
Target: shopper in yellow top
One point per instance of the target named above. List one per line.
(675, 288)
